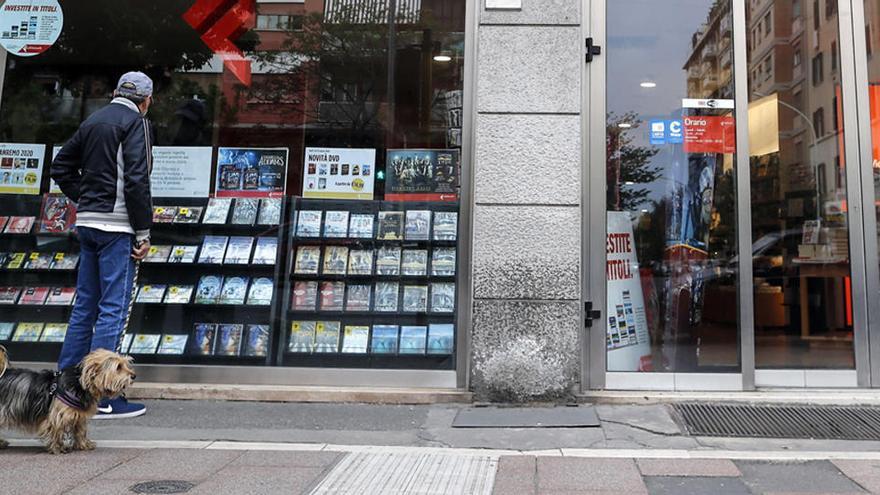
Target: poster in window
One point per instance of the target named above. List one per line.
(30, 27)
(181, 171)
(421, 175)
(251, 172)
(339, 173)
(21, 168)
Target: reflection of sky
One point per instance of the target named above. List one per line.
(651, 41)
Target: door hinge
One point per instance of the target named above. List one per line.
(592, 50)
(590, 314)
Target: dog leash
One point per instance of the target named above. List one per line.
(137, 269)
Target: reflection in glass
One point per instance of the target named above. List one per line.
(803, 297)
(671, 198)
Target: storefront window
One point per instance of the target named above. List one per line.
(872, 37)
(306, 191)
(672, 259)
(800, 224)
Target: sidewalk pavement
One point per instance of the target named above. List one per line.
(253, 448)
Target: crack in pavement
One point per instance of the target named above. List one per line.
(642, 428)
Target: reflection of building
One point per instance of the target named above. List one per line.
(710, 65)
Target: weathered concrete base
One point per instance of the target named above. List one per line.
(272, 393)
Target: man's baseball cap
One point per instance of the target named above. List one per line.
(135, 84)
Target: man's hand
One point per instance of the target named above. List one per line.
(140, 250)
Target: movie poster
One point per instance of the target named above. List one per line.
(251, 172)
(21, 168)
(421, 175)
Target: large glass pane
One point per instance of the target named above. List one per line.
(800, 225)
(672, 296)
(295, 182)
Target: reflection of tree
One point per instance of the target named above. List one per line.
(628, 165)
(45, 97)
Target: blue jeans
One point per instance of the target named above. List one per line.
(103, 293)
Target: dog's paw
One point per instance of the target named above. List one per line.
(86, 445)
(3, 444)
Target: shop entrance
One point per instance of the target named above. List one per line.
(717, 157)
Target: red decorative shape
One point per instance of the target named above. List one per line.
(221, 23)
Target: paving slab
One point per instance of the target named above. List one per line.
(516, 475)
(865, 473)
(800, 477)
(563, 474)
(688, 467)
(695, 485)
(288, 459)
(526, 417)
(173, 464)
(250, 480)
(45, 474)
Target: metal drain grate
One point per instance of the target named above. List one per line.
(163, 486)
(781, 421)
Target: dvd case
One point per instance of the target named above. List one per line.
(203, 339)
(413, 339)
(188, 214)
(302, 336)
(213, 249)
(16, 261)
(61, 296)
(9, 295)
(172, 344)
(183, 254)
(28, 332)
(229, 339)
(442, 297)
(361, 226)
(384, 339)
(151, 293)
(39, 261)
(209, 289)
(3, 221)
(6, 329)
(245, 211)
(54, 332)
(441, 338)
(217, 211)
(386, 297)
(445, 225)
(179, 294)
(305, 296)
(57, 214)
(388, 261)
(65, 261)
(20, 225)
(238, 251)
(164, 214)
(335, 260)
(266, 251)
(144, 344)
(234, 290)
(327, 336)
(418, 225)
(414, 262)
(358, 298)
(270, 211)
(309, 224)
(356, 339)
(157, 254)
(257, 342)
(332, 296)
(34, 295)
(390, 226)
(260, 293)
(443, 262)
(336, 224)
(360, 262)
(415, 298)
(307, 260)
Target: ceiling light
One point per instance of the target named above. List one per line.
(624, 125)
(648, 84)
(442, 58)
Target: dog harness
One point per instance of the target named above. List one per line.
(64, 396)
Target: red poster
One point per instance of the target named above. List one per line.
(709, 134)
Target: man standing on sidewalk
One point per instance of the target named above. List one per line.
(105, 168)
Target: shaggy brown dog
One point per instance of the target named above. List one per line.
(58, 406)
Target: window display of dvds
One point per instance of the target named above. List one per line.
(208, 290)
(39, 256)
(371, 284)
